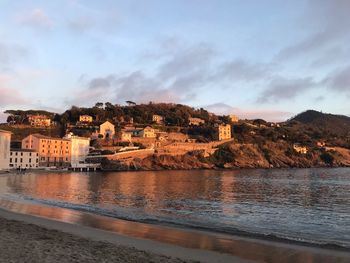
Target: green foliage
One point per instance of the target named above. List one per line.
(222, 156)
(327, 158)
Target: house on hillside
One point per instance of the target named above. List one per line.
(300, 148)
(85, 119)
(107, 130)
(224, 132)
(147, 132)
(195, 121)
(233, 118)
(5, 142)
(157, 119)
(39, 120)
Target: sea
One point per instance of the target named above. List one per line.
(303, 205)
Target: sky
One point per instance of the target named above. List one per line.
(267, 59)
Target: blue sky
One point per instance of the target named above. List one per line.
(268, 59)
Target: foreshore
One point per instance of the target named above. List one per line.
(28, 238)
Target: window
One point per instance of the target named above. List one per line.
(15, 160)
(10, 160)
(30, 160)
(21, 160)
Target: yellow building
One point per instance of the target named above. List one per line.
(299, 148)
(39, 120)
(195, 121)
(148, 132)
(107, 130)
(224, 132)
(85, 118)
(234, 118)
(157, 119)
(125, 136)
(5, 141)
(52, 151)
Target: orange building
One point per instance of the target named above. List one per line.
(52, 151)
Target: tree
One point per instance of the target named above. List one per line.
(327, 158)
(130, 103)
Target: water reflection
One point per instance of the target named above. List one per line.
(308, 204)
(243, 248)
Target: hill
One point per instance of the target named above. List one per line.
(337, 125)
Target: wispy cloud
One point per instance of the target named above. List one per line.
(280, 88)
(36, 18)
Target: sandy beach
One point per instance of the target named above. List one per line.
(21, 242)
(28, 238)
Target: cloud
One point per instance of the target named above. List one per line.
(281, 88)
(81, 24)
(10, 97)
(326, 24)
(187, 60)
(339, 80)
(266, 114)
(241, 70)
(10, 53)
(37, 18)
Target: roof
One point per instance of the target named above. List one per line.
(40, 136)
(4, 131)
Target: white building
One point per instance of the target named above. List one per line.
(79, 149)
(5, 141)
(23, 158)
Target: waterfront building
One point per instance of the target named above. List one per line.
(224, 132)
(79, 149)
(195, 121)
(52, 151)
(23, 158)
(107, 130)
(5, 141)
(39, 120)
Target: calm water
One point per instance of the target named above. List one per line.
(311, 205)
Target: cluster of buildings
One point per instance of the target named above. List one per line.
(43, 151)
(38, 150)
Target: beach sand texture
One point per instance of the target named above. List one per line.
(21, 242)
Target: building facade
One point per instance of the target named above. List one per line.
(79, 149)
(23, 158)
(157, 119)
(234, 118)
(195, 121)
(85, 118)
(300, 148)
(52, 151)
(148, 132)
(5, 141)
(39, 120)
(107, 130)
(224, 132)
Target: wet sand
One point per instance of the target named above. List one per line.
(28, 238)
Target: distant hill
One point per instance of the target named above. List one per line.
(336, 124)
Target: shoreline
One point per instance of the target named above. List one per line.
(156, 239)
